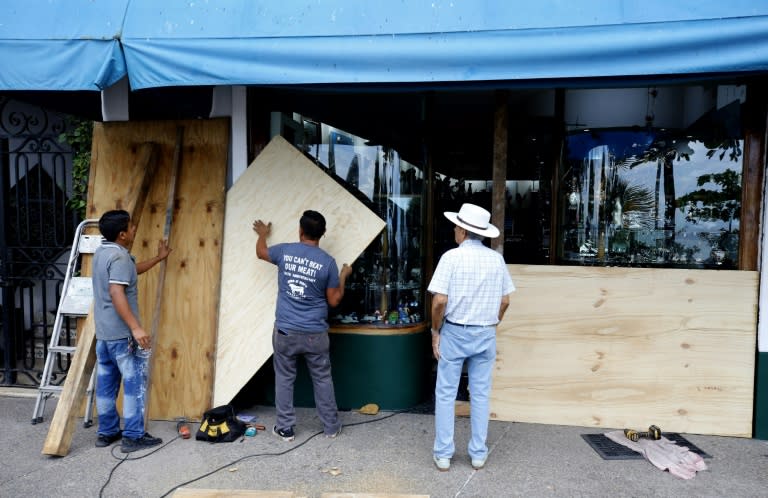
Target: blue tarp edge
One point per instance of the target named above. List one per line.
(108, 42)
(721, 46)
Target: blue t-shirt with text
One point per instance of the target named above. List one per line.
(304, 272)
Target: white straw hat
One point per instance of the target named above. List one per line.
(475, 219)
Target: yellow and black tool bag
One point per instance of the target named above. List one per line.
(220, 425)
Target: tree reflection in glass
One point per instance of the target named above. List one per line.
(650, 198)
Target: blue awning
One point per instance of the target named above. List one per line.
(232, 42)
(91, 44)
(61, 44)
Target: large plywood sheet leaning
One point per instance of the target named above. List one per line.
(277, 187)
(183, 352)
(629, 347)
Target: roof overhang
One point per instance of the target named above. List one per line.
(74, 45)
(245, 42)
(59, 45)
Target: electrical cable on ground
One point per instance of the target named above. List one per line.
(126, 458)
(229, 464)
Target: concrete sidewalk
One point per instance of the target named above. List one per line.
(387, 454)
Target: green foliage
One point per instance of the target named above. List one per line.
(731, 147)
(79, 136)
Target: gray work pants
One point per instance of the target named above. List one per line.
(316, 352)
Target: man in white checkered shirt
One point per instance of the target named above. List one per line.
(470, 293)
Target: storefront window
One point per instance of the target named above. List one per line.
(386, 285)
(651, 197)
(526, 220)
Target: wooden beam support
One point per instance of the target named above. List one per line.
(559, 142)
(500, 141)
(63, 423)
(164, 263)
(753, 170)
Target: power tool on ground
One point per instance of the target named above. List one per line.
(653, 433)
(182, 427)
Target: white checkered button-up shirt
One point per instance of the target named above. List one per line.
(474, 278)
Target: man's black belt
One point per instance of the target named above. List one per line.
(464, 324)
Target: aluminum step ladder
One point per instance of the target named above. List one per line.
(75, 302)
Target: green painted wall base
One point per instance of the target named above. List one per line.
(393, 371)
(761, 397)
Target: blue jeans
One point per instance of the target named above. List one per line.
(315, 348)
(117, 361)
(476, 345)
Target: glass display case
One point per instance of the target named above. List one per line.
(386, 287)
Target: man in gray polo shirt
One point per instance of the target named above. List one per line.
(122, 344)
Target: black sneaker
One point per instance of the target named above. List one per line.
(142, 443)
(103, 441)
(284, 434)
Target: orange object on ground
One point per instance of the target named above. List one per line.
(183, 429)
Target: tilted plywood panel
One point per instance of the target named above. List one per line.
(629, 347)
(277, 187)
(183, 351)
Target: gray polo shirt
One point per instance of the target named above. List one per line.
(113, 264)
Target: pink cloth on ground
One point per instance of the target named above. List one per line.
(664, 454)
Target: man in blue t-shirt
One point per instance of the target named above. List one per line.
(307, 283)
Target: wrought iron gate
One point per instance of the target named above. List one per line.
(36, 230)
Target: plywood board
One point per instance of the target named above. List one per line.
(277, 187)
(62, 428)
(370, 495)
(183, 353)
(628, 347)
(231, 493)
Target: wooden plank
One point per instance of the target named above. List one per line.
(63, 423)
(231, 493)
(628, 347)
(62, 428)
(163, 264)
(277, 187)
(461, 409)
(370, 495)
